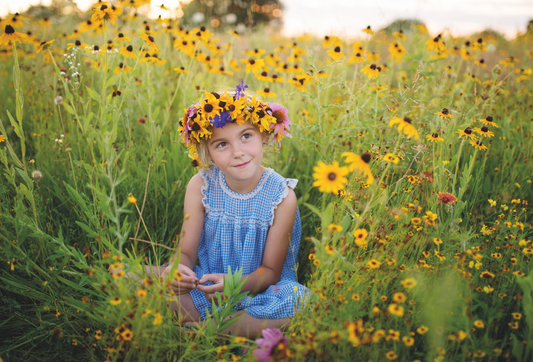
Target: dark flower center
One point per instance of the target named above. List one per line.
(436, 40)
(279, 116)
(184, 42)
(482, 61)
(251, 61)
(480, 40)
(489, 119)
(151, 38)
(120, 35)
(468, 130)
(337, 49)
(196, 127)
(326, 37)
(96, 48)
(484, 129)
(467, 43)
(129, 48)
(9, 29)
(266, 90)
(217, 96)
(43, 42)
(301, 80)
(435, 135)
(264, 74)
(275, 76)
(231, 107)
(208, 108)
(366, 157)
(78, 43)
(373, 67)
(358, 54)
(202, 28)
(445, 111)
(332, 176)
(121, 65)
(408, 120)
(103, 7)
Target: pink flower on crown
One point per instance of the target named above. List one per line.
(282, 125)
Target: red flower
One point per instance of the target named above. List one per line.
(446, 198)
(142, 120)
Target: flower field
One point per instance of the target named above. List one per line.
(414, 159)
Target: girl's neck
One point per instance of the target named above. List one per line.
(245, 186)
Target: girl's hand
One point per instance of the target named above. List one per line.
(210, 290)
(184, 279)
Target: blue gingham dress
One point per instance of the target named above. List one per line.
(234, 234)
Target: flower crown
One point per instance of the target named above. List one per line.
(217, 110)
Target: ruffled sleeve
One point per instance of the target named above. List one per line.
(205, 189)
(286, 184)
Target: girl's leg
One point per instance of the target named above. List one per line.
(186, 309)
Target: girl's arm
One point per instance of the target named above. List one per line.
(276, 248)
(191, 231)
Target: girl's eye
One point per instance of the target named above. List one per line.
(246, 136)
(221, 144)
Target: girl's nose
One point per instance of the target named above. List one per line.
(237, 151)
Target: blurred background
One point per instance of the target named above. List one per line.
(319, 17)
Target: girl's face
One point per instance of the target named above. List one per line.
(237, 150)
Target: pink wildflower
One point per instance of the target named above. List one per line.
(271, 339)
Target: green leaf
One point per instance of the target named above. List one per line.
(26, 178)
(77, 197)
(69, 108)
(345, 223)
(90, 232)
(15, 124)
(94, 95)
(314, 209)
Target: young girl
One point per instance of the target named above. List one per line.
(238, 213)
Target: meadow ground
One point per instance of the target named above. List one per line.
(413, 158)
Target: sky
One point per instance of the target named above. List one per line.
(348, 17)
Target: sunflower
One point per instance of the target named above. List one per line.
(361, 163)
(484, 131)
(330, 178)
(12, 36)
(444, 114)
(44, 45)
(357, 58)
(434, 137)
(105, 12)
(372, 70)
(478, 145)
(405, 126)
(336, 53)
(488, 121)
(266, 92)
(467, 133)
(150, 41)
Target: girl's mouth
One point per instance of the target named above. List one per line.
(243, 165)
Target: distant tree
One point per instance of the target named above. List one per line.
(57, 8)
(405, 25)
(230, 13)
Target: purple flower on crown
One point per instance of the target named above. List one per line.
(239, 90)
(219, 121)
(271, 339)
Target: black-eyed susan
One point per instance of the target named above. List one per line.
(254, 53)
(185, 46)
(368, 30)
(128, 52)
(122, 68)
(253, 65)
(266, 92)
(44, 45)
(409, 283)
(509, 62)
(77, 44)
(299, 82)
(422, 329)
(397, 51)
(389, 157)
(434, 137)
(356, 58)
(399, 298)
(360, 236)
(330, 178)
(361, 162)
(330, 41)
(478, 145)
(405, 125)
(372, 70)
(484, 131)
(466, 55)
(444, 114)
(334, 227)
(115, 301)
(11, 36)
(373, 263)
(234, 33)
(467, 133)
(396, 310)
(150, 41)
(372, 57)
(263, 76)
(481, 63)
(489, 121)
(209, 106)
(435, 44)
(437, 241)
(399, 34)
(336, 53)
(181, 70)
(121, 37)
(106, 12)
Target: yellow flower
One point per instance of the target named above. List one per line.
(374, 264)
(399, 298)
(105, 12)
(158, 318)
(360, 237)
(132, 199)
(336, 53)
(142, 293)
(422, 329)
(408, 341)
(479, 324)
(361, 163)
(437, 241)
(434, 137)
(115, 301)
(391, 355)
(334, 227)
(266, 92)
(330, 178)
(2, 138)
(492, 203)
(368, 30)
(389, 157)
(409, 283)
(396, 310)
(405, 126)
(12, 36)
(372, 70)
(253, 65)
(150, 41)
